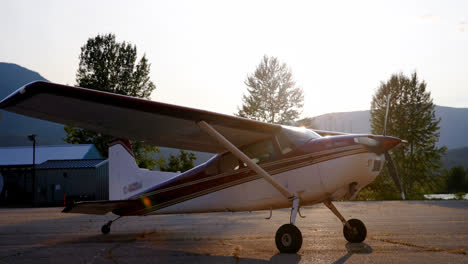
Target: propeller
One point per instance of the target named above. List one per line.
(390, 164)
(393, 172)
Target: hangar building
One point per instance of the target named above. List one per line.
(76, 171)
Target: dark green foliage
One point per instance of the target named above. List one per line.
(457, 180)
(272, 94)
(111, 66)
(144, 155)
(180, 163)
(411, 117)
(460, 196)
(82, 136)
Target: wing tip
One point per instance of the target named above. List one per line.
(5, 102)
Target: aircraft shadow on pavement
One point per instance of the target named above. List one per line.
(285, 258)
(125, 248)
(125, 242)
(354, 248)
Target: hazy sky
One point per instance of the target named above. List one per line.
(202, 51)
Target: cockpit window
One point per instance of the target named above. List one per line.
(228, 162)
(298, 135)
(260, 151)
(285, 145)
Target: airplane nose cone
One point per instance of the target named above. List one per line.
(380, 144)
(388, 143)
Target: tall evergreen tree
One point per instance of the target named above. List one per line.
(411, 117)
(457, 180)
(272, 95)
(111, 66)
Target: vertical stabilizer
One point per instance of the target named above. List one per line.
(126, 179)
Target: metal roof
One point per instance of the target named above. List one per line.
(70, 164)
(24, 155)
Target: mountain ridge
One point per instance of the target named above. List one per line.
(456, 157)
(15, 128)
(453, 122)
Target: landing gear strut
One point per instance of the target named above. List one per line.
(354, 230)
(105, 229)
(288, 237)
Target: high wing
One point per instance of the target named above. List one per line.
(122, 116)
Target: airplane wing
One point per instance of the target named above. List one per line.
(122, 116)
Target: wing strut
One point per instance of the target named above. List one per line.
(239, 154)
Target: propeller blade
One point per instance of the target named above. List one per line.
(386, 115)
(393, 172)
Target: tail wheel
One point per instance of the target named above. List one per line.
(105, 229)
(357, 233)
(288, 239)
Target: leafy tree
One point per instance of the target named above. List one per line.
(111, 66)
(411, 117)
(272, 95)
(457, 180)
(181, 163)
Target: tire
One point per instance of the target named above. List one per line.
(357, 234)
(105, 229)
(288, 239)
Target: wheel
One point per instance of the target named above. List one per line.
(288, 239)
(358, 232)
(105, 229)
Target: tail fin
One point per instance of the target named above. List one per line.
(125, 177)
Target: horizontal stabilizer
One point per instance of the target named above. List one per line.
(104, 207)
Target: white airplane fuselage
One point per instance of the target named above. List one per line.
(325, 169)
(314, 183)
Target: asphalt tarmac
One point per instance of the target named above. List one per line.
(398, 232)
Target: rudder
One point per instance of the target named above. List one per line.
(126, 179)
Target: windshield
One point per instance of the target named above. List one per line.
(299, 135)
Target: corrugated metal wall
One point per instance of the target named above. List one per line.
(76, 183)
(102, 181)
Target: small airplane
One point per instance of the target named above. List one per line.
(257, 166)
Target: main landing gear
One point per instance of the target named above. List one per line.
(105, 229)
(289, 238)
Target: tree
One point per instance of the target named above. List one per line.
(272, 95)
(457, 180)
(180, 163)
(411, 117)
(111, 66)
